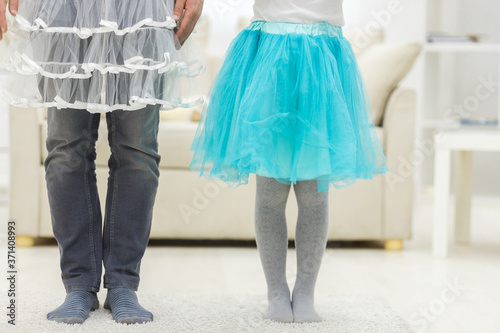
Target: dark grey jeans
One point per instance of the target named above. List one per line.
(74, 202)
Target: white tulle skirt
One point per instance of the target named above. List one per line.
(99, 55)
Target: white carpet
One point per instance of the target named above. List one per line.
(221, 313)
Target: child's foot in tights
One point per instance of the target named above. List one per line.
(280, 307)
(303, 309)
(76, 307)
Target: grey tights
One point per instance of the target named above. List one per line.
(272, 243)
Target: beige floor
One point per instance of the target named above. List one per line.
(414, 283)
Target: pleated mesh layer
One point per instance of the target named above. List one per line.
(100, 56)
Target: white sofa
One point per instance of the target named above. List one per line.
(188, 207)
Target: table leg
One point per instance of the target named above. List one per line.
(463, 196)
(441, 202)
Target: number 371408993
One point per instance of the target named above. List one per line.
(11, 245)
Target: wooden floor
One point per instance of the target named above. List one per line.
(458, 294)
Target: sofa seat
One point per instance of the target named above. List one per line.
(174, 137)
(194, 208)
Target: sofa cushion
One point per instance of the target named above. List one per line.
(383, 67)
(174, 143)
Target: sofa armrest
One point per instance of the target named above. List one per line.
(25, 162)
(399, 129)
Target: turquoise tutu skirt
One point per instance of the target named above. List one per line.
(288, 103)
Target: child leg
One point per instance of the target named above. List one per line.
(75, 209)
(310, 242)
(132, 187)
(272, 243)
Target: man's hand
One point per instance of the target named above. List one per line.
(191, 15)
(13, 6)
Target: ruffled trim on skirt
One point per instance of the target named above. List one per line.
(106, 26)
(100, 93)
(289, 103)
(78, 53)
(61, 55)
(87, 17)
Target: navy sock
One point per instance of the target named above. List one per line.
(125, 307)
(76, 307)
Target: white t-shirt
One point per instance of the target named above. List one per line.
(299, 11)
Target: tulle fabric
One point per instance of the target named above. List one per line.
(289, 103)
(99, 55)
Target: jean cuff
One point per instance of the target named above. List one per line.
(80, 287)
(133, 287)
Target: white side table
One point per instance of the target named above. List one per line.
(465, 143)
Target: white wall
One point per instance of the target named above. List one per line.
(4, 138)
(400, 18)
(4, 144)
(224, 15)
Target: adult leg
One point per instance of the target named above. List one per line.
(272, 243)
(310, 242)
(75, 209)
(132, 185)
